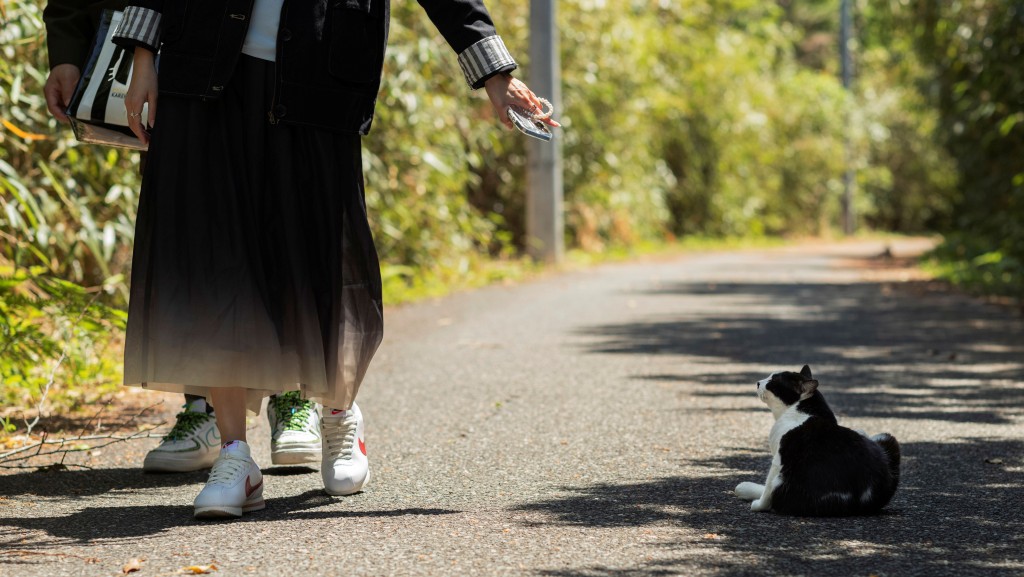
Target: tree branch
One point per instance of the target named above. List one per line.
(16, 455)
(45, 392)
(143, 434)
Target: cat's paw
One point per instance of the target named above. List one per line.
(749, 491)
(759, 505)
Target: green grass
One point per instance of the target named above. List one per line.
(990, 274)
(667, 248)
(404, 285)
(976, 266)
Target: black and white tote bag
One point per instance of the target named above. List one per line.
(97, 110)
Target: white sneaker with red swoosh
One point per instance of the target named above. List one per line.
(345, 469)
(235, 485)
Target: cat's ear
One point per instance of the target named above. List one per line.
(808, 386)
(806, 372)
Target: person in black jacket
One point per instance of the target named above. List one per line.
(254, 269)
(193, 442)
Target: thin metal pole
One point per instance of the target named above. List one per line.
(545, 223)
(849, 218)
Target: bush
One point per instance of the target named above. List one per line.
(66, 224)
(975, 49)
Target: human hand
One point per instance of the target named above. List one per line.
(505, 91)
(141, 91)
(59, 87)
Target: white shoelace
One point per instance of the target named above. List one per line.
(225, 470)
(340, 437)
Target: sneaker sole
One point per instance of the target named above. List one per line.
(296, 454)
(168, 464)
(228, 512)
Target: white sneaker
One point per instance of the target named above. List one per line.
(344, 468)
(295, 429)
(235, 485)
(192, 444)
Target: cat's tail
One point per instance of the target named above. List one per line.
(891, 447)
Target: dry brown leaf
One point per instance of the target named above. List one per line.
(711, 536)
(132, 566)
(198, 569)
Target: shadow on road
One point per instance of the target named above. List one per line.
(916, 352)
(954, 513)
(121, 520)
(90, 482)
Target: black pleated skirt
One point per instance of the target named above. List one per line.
(253, 263)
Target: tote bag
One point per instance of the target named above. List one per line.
(97, 110)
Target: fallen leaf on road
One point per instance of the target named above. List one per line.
(711, 536)
(132, 566)
(994, 461)
(198, 569)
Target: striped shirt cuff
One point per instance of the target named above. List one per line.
(481, 60)
(140, 27)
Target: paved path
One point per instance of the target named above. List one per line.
(594, 424)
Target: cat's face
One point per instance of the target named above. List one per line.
(782, 390)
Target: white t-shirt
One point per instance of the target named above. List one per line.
(261, 40)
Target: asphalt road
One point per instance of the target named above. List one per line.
(594, 423)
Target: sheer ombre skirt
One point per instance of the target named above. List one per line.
(253, 264)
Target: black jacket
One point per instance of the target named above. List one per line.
(71, 26)
(329, 52)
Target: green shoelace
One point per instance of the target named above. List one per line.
(292, 412)
(186, 423)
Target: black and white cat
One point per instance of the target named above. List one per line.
(818, 467)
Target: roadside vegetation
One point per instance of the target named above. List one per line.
(683, 119)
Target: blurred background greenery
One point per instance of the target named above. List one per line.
(683, 118)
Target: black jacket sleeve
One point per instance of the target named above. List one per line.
(71, 26)
(467, 27)
(140, 25)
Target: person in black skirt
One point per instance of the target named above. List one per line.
(254, 270)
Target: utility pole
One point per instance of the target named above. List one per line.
(849, 218)
(545, 223)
